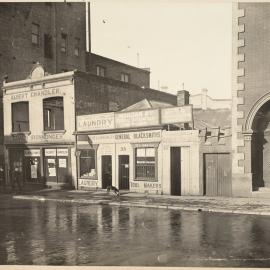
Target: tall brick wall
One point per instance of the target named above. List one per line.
(17, 53)
(94, 94)
(114, 68)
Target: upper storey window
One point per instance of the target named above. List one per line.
(53, 113)
(35, 34)
(20, 116)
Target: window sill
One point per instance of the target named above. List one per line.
(54, 131)
(21, 132)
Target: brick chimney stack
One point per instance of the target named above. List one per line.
(182, 98)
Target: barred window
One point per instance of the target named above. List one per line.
(145, 163)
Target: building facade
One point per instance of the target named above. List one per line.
(40, 120)
(250, 99)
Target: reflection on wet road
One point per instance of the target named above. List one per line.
(49, 233)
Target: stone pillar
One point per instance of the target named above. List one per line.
(248, 157)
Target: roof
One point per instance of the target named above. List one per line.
(211, 118)
(147, 104)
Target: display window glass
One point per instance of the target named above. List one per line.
(88, 163)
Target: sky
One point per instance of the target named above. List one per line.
(181, 42)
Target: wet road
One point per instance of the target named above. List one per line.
(49, 233)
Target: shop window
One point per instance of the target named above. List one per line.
(101, 71)
(20, 117)
(125, 77)
(48, 50)
(53, 113)
(88, 163)
(64, 43)
(77, 47)
(145, 163)
(35, 33)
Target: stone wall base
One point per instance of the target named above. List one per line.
(242, 185)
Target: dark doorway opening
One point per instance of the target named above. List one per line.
(175, 171)
(124, 172)
(106, 165)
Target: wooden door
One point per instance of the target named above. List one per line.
(124, 172)
(175, 171)
(217, 174)
(106, 168)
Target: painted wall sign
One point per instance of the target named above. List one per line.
(87, 183)
(32, 153)
(137, 119)
(140, 136)
(46, 137)
(172, 115)
(95, 122)
(37, 93)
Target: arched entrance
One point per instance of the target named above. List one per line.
(258, 125)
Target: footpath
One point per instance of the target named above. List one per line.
(249, 206)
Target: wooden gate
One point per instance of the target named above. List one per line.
(217, 174)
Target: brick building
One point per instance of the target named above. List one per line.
(250, 99)
(53, 34)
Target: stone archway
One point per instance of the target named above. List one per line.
(258, 126)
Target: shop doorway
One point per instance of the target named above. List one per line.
(175, 171)
(56, 166)
(16, 167)
(124, 172)
(217, 174)
(106, 168)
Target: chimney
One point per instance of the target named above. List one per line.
(204, 99)
(182, 98)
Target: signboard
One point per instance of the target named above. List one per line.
(131, 137)
(173, 115)
(137, 119)
(37, 93)
(95, 122)
(62, 152)
(32, 153)
(62, 163)
(50, 152)
(88, 183)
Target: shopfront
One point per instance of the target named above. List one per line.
(139, 155)
(39, 141)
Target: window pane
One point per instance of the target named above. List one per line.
(150, 152)
(88, 163)
(20, 117)
(140, 152)
(53, 113)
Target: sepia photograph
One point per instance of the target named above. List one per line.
(134, 133)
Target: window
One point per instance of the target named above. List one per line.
(145, 163)
(77, 47)
(88, 163)
(35, 33)
(101, 71)
(64, 43)
(125, 77)
(20, 117)
(53, 113)
(48, 51)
